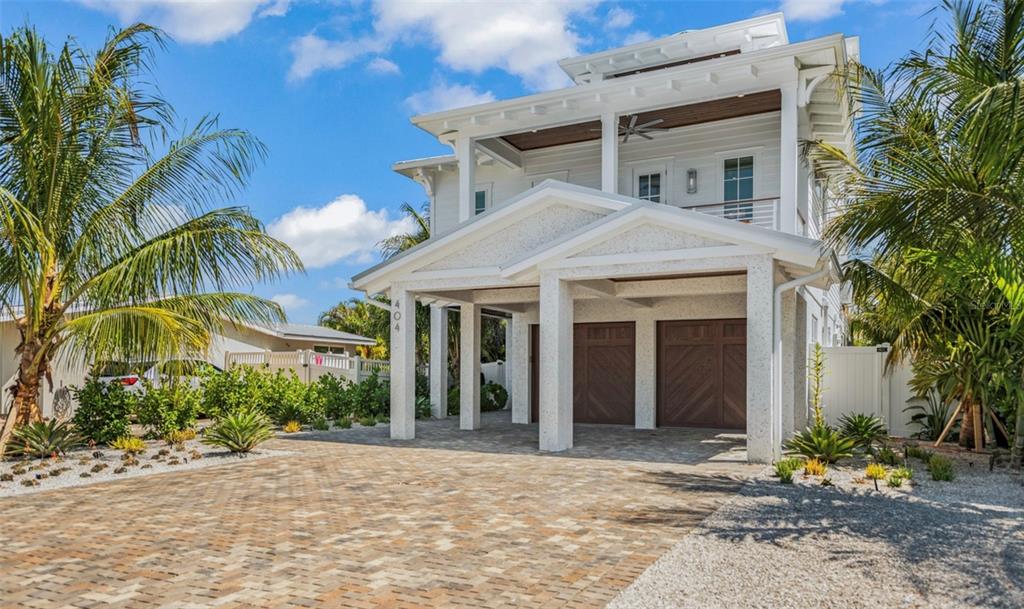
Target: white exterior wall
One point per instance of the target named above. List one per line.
(701, 147)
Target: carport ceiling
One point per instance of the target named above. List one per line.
(676, 116)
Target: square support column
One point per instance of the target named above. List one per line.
(762, 424)
(646, 370)
(508, 362)
(518, 375)
(789, 159)
(556, 382)
(610, 152)
(469, 367)
(403, 364)
(789, 363)
(438, 361)
(465, 154)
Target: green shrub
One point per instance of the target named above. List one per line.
(286, 398)
(916, 452)
(887, 456)
(895, 480)
(423, 409)
(320, 424)
(454, 401)
(43, 439)
(240, 431)
(367, 421)
(941, 468)
(371, 398)
(821, 442)
(168, 408)
(865, 430)
(104, 410)
(336, 395)
(785, 468)
(233, 390)
(343, 423)
(129, 444)
(492, 397)
(904, 472)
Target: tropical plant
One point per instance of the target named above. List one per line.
(822, 443)
(933, 219)
(285, 399)
(396, 244)
(240, 431)
(291, 427)
(886, 456)
(816, 375)
(356, 316)
(168, 408)
(916, 452)
(129, 444)
(492, 397)
(931, 416)
(180, 436)
(875, 471)
(865, 430)
(941, 468)
(104, 410)
(785, 468)
(895, 480)
(43, 439)
(815, 467)
(110, 248)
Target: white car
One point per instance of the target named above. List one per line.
(130, 375)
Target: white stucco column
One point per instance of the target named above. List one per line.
(469, 367)
(760, 294)
(508, 361)
(789, 158)
(800, 359)
(518, 375)
(646, 370)
(556, 325)
(789, 355)
(438, 361)
(465, 155)
(610, 152)
(403, 364)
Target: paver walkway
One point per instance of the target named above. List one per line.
(353, 519)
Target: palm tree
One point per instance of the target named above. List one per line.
(396, 244)
(356, 316)
(936, 194)
(111, 246)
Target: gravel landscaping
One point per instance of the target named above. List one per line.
(933, 544)
(90, 466)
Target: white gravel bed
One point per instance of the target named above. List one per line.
(81, 467)
(948, 545)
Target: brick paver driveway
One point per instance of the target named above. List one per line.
(451, 519)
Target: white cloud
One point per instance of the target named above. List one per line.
(193, 21)
(524, 38)
(289, 302)
(311, 53)
(638, 36)
(618, 18)
(444, 96)
(811, 10)
(381, 65)
(341, 229)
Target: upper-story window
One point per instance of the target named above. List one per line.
(650, 182)
(738, 185)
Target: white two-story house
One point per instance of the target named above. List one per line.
(651, 233)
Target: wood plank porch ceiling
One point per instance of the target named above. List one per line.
(676, 116)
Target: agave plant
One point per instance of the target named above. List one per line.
(42, 439)
(864, 429)
(239, 432)
(931, 416)
(821, 442)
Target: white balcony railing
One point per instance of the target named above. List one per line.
(761, 212)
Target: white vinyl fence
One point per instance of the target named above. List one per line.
(856, 382)
(310, 365)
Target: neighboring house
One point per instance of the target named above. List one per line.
(281, 337)
(651, 231)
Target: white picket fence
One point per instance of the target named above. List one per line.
(856, 381)
(310, 365)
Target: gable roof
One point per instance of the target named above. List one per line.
(622, 213)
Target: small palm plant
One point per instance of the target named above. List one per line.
(822, 443)
(43, 439)
(866, 430)
(240, 432)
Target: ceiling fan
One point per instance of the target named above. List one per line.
(642, 130)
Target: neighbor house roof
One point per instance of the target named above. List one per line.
(311, 332)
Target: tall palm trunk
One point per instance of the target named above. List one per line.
(25, 408)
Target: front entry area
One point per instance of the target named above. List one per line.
(604, 372)
(702, 373)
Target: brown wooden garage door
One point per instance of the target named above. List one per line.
(604, 372)
(702, 373)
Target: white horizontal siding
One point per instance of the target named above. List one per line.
(702, 147)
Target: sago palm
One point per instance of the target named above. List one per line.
(110, 244)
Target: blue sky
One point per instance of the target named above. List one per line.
(329, 87)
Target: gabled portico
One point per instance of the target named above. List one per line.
(583, 265)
